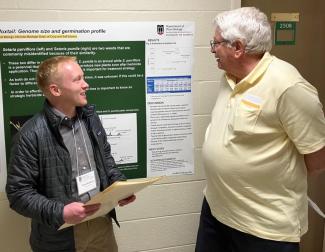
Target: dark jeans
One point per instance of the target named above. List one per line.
(213, 236)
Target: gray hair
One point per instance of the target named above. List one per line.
(247, 24)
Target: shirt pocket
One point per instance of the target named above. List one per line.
(246, 116)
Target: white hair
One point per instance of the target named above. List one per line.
(247, 24)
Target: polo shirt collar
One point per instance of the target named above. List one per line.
(252, 78)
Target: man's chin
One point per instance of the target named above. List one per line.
(83, 103)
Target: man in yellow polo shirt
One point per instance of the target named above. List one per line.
(267, 132)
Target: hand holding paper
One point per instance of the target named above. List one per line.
(75, 212)
(120, 193)
(127, 200)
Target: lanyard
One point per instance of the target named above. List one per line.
(85, 145)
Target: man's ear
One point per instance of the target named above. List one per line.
(239, 48)
(54, 89)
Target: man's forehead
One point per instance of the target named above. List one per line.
(69, 66)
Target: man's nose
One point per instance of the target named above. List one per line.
(85, 85)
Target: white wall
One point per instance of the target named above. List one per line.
(165, 216)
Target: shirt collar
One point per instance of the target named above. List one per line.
(251, 79)
(64, 120)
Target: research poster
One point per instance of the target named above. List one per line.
(140, 78)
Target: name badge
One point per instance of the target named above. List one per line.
(86, 182)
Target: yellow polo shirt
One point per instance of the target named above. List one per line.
(253, 151)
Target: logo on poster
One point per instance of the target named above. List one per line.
(160, 29)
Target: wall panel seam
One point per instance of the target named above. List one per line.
(159, 217)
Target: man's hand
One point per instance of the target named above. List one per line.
(127, 200)
(75, 212)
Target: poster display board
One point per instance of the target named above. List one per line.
(140, 76)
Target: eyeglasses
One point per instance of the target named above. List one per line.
(213, 43)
